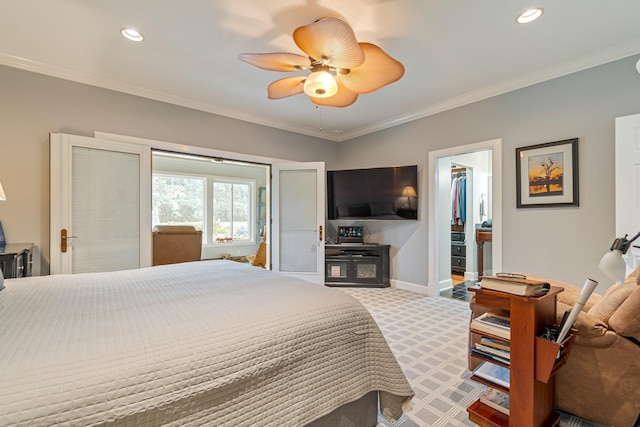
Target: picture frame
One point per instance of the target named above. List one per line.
(547, 174)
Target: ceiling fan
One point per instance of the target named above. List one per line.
(341, 68)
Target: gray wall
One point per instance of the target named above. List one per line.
(32, 105)
(562, 243)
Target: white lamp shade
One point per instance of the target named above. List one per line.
(613, 266)
(320, 84)
(409, 192)
(2, 196)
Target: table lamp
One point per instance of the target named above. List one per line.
(409, 192)
(612, 264)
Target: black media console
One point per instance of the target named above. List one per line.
(357, 264)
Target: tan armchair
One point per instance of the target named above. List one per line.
(601, 379)
(176, 243)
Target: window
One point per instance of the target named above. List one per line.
(221, 207)
(231, 210)
(178, 200)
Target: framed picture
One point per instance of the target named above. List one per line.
(547, 174)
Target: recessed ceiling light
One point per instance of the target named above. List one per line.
(132, 34)
(529, 15)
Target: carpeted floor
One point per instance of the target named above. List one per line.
(429, 337)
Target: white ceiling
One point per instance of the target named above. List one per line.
(454, 51)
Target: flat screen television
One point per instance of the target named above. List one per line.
(388, 193)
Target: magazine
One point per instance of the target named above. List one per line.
(494, 373)
(496, 399)
(500, 345)
(491, 325)
(493, 350)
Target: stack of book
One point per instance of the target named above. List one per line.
(496, 399)
(492, 323)
(494, 350)
(516, 284)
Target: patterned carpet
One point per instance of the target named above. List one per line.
(429, 337)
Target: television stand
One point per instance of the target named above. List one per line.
(357, 265)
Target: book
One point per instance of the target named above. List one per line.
(493, 327)
(500, 345)
(496, 399)
(492, 350)
(496, 319)
(515, 284)
(493, 373)
(480, 353)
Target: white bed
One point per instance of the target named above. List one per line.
(213, 342)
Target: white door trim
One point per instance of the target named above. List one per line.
(495, 145)
(627, 181)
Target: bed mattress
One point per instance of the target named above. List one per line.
(213, 342)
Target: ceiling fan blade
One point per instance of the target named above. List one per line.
(330, 39)
(286, 87)
(279, 61)
(343, 98)
(378, 70)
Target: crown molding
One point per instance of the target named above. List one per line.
(563, 69)
(118, 86)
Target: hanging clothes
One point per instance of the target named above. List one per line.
(458, 198)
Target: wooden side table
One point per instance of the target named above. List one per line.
(483, 235)
(533, 362)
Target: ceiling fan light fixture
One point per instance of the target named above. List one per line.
(320, 83)
(529, 15)
(341, 68)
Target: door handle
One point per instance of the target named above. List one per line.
(63, 240)
(320, 233)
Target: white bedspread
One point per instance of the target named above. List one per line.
(214, 342)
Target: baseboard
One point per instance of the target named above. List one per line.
(470, 275)
(421, 289)
(445, 284)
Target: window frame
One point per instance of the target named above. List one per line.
(207, 232)
(251, 221)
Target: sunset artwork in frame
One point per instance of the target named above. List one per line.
(547, 174)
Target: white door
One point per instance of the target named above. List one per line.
(298, 228)
(628, 181)
(100, 205)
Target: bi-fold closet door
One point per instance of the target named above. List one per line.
(100, 192)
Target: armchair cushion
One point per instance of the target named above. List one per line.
(175, 229)
(620, 309)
